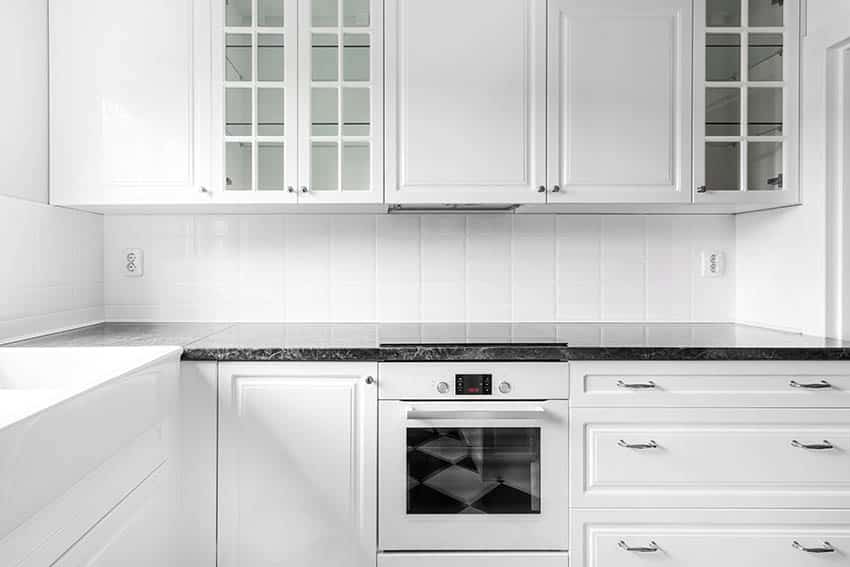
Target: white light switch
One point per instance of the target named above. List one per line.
(713, 264)
(134, 262)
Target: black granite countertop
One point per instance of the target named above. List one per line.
(410, 342)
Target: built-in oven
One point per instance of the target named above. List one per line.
(473, 457)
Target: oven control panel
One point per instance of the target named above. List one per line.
(473, 384)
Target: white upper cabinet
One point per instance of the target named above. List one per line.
(619, 101)
(746, 77)
(341, 102)
(466, 101)
(298, 101)
(123, 122)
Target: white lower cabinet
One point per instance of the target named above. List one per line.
(297, 464)
(136, 533)
(708, 538)
(716, 458)
(473, 560)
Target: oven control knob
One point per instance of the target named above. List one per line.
(505, 387)
(443, 388)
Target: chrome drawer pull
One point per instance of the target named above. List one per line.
(648, 385)
(651, 548)
(825, 446)
(638, 446)
(827, 548)
(822, 385)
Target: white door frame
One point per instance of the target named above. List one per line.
(838, 186)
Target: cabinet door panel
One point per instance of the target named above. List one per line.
(619, 101)
(465, 101)
(297, 462)
(122, 102)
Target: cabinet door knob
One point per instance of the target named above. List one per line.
(370, 380)
(702, 189)
(541, 189)
(290, 189)
(304, 189)
(556, 189)
(827, 548)
(205, 190)
(651, 548)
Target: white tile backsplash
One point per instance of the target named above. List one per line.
(51, 268)
(398, 268)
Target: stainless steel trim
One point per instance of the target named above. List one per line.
(482, 413)
(648, 385)
(825, 446)
(827, 548)
(822, 385)
(651, 548)
(638, 446)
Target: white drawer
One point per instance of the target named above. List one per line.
(678, 458)
(710, 384)
(708, 538)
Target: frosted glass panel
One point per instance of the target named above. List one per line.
(325, 57)
(325, 13)
(766, 13)
(355, 166)
(325, 111)
(238, 166)
(270, 61)
(722, 112)
(238, 112)
(325, 166)
(723, 57)
(356, 13)
(270, 13)
(355, 111)
(765, 57)
(270, 166)
(723, 166)
(764, 161)
(237, 56)
(356, 57)
(270, 112)
(237, 13)
(764, 112)
(723, 13)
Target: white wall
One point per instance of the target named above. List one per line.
(51, 268)
(23, 99)
(419, 268)
(782, 255)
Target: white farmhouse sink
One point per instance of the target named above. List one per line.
(64, 412)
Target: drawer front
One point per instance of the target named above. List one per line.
(473, 560)
(710, 384)
(675, 458)
(708, 538)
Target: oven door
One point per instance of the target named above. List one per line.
(466, 476)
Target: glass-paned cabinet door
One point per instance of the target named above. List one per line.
(256, 69)
(746, 77)
(341, 105)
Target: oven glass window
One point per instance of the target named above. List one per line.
(473, 470)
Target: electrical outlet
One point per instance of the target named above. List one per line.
(713, 264)
(133, 262)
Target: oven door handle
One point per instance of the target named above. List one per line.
(483, 413)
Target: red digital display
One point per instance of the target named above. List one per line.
(473, 384)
